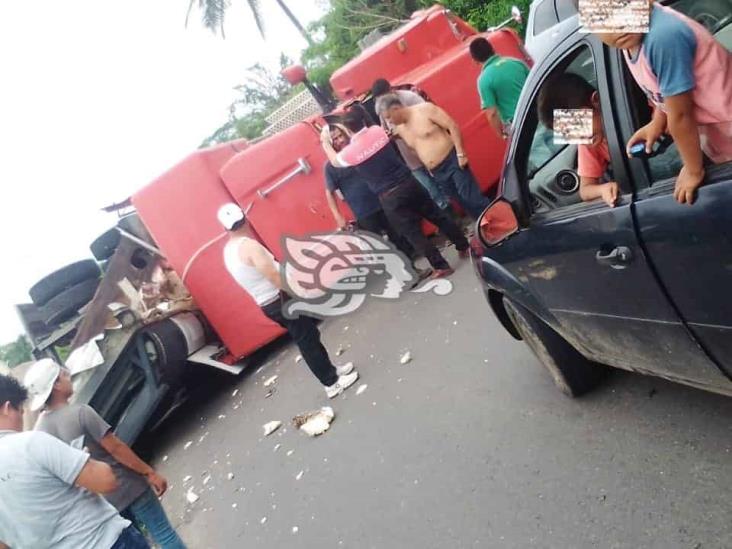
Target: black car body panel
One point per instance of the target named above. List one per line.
(666, 309)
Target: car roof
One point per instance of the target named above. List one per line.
(549, 14)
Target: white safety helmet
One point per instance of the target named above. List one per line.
(39, 380)
(230, 215)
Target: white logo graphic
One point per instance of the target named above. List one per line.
(331, 274)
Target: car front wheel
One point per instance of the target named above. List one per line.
(572, 373)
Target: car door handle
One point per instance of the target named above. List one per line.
(617, 258)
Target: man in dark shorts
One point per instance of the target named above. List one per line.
(364, 203)
(403, 199)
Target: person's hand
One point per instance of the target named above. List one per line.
(686, 185)
(648, 134)
(462, 161)
(158, 483)
(610, 193)
(341, 223)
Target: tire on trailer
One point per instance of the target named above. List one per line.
(573, 374)
(166, 342)
(65, 305)
(63, 279)
(104, 246)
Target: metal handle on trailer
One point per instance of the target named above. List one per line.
(302, 167)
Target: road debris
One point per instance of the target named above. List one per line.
(314, 423)
(187, 445)
(187, 478)
(361, 389)
(340, 350)
(191, 496)
(234, 506)
(230, 476)
(277, 447)
(298, 358)
(270, 381)
(236, 392)
(165, 458)
(264, 519)
(406, 357)
(299, 475)
(271, 427)
(206, 480)
(222, 416)
(295, 529)
(272, 391)
(290, 452)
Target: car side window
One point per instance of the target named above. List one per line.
(550, 168)
(544, 17)
(566, 9)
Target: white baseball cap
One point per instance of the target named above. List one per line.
(229, 215)
(39, 380)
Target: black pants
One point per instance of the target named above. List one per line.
(304, 332)
(378, 223)
(405, 205)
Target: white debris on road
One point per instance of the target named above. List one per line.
(165, 458)
(361, 389)
(236, 392)
(290, 452)
(187, 445)
(277, 447)
(191, 496)
(406, 357)
(222, 416)
(271, 427)
(295, 529)
(230, 476)
(187, 478)
(315, 423)
(340, 350)
(233, 506)
(264, 519)
(270, 381)
(299, 475)
(298, 358)
(206, 480)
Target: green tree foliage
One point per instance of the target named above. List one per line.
(17, 352)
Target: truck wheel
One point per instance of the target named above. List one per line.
(572, 373)
(65, 305)
(104, 246)
(49, 286)
(167, 349)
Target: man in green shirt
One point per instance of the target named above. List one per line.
(499, 84)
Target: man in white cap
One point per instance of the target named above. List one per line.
(255, 269)
(139, 486)
(49, 491)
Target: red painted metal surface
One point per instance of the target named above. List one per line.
(179, 209)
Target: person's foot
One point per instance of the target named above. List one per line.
(422, 274)
(442, 273)
(344, 369)
(464, 254)
(343, 383)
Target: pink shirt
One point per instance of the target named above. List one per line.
(679, 55)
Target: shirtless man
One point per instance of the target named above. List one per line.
(437, 140)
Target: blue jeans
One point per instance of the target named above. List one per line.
(148, 512)
(460, 183)
(131, 538)
(432, 187)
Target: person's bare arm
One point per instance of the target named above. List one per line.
(328, 148)
(127, 457)
(335, 210)
(256, 255)
(591, 189)
(491, 113)
(683, 128)
(445, 121)
(97, 477)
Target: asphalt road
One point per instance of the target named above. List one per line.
(468, 445)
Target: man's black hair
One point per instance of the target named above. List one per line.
(12, 391)
(380, 87)
(566, 91)
(389, 101)
(355, 119)
(481, 50)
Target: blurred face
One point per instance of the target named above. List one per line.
(63, 385)
(621, 40)
(395, 115)
(339, 139)
(12, 418)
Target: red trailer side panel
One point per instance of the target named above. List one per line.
(179, 209)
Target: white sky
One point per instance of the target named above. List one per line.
(98, 97)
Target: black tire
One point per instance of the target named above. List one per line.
(170, 351)
(573, 374)
(65, 305)
(105, 245)
(63, 279)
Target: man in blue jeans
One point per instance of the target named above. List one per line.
(437, 140)
(139, 486)
(50, 493)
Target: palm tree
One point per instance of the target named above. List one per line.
(213, 13)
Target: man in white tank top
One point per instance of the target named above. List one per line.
(256, 270)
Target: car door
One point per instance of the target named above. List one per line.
(691, 246)
(583, 261)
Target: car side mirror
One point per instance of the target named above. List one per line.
(497, 223)
(516, 14)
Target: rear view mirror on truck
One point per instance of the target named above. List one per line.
(497, 223)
